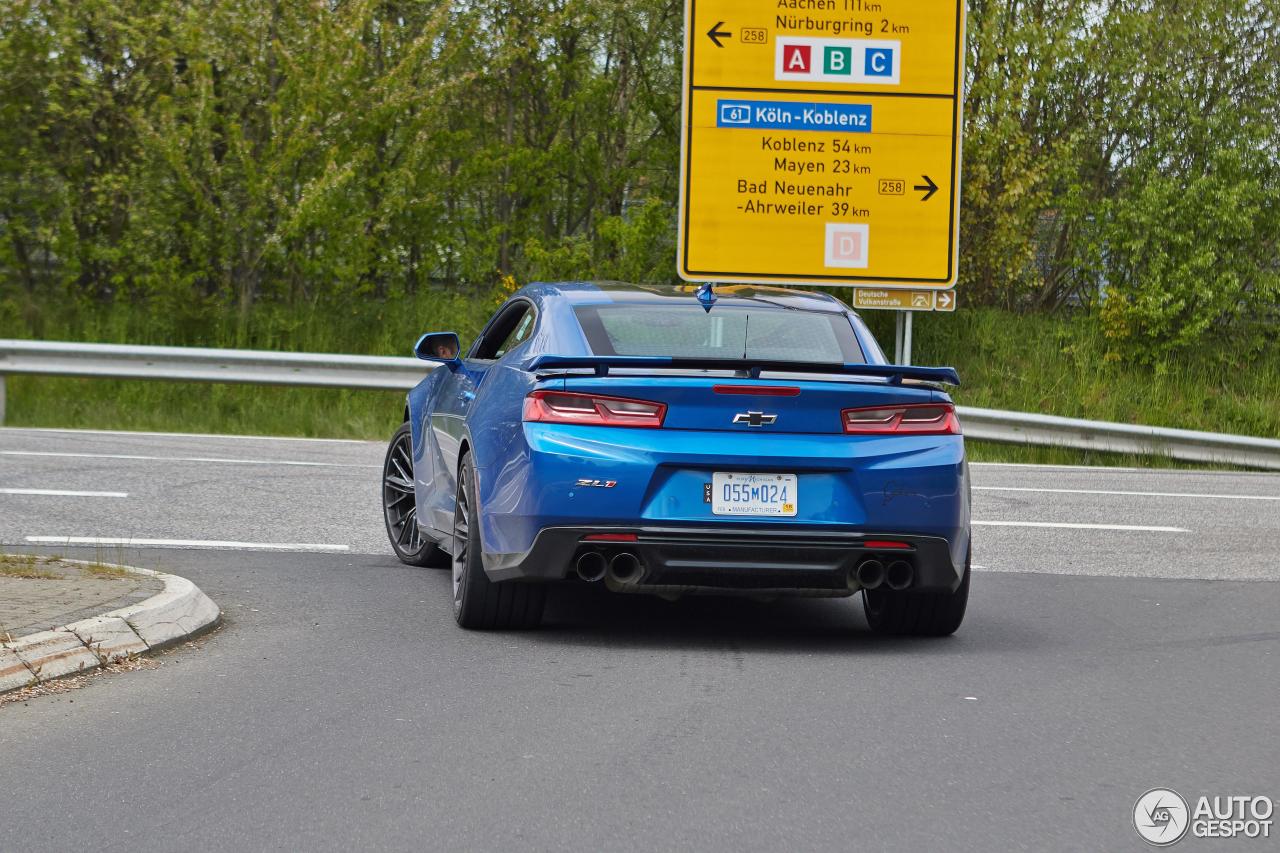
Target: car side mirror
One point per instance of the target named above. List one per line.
(440, 347)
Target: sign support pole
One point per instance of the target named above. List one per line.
(906, 337)
(897, 336)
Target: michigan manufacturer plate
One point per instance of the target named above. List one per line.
(754, 494)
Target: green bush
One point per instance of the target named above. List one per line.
(195, 161)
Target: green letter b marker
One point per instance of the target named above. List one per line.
(839, 61)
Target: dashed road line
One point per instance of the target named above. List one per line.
(230, 436)
(1059, 525)
(1047, 467)
(1116, 469)
(64, 493)
(1127, 494)
(216, 460)
(185, 543)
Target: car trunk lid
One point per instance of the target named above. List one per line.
(772, 403)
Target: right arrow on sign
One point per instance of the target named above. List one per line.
(928, 188)
(944, 300)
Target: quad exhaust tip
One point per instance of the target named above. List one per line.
(899, 575)
(591, 566)
(869, 574)
(624, 568)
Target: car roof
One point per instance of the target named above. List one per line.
(730, 295)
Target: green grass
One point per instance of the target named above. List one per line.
(23, 566)
(1061, 366)
(202, 408)
(104, 571)
(1052, 364)
(368, 327)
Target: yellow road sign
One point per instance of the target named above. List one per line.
(821, 141)
(904, 300)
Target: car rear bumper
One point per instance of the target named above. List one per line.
(691, 559)
(599, 478)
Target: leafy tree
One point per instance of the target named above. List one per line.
(207, 158)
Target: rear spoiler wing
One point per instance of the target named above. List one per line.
(601, 364)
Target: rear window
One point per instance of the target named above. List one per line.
(776, 334)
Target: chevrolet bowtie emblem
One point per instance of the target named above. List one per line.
(754, 419)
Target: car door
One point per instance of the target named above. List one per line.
(510, 326)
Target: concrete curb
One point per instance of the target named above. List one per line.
(178, 611)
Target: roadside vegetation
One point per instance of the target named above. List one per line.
(1061, 364)
(1055, 364)
(54, 567)
(342, 176)
(103, 571)
(24, 566)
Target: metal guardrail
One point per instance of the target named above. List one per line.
(1184, 444)
(197, 364)
(315, 370)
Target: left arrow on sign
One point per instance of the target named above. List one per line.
(928, 188)
(715, 34)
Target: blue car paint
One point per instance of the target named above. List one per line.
(907, 485)
(527, 474)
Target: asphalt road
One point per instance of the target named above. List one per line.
(340, 708)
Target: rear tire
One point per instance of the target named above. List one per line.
(400, 508)
(918, 614)
(479, 603)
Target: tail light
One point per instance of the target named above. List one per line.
(562, 407)
(922, 419)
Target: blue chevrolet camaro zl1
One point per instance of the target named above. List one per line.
(676, 440)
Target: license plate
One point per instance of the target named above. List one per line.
(753, 494)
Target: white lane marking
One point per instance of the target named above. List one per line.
(215, 460)
(1065, 526)
(1170, 472)
(64, 493)
(1127, 494)
(1046, 467)
(183, 543)
(182, 435)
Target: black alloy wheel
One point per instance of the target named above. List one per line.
(400, 510)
